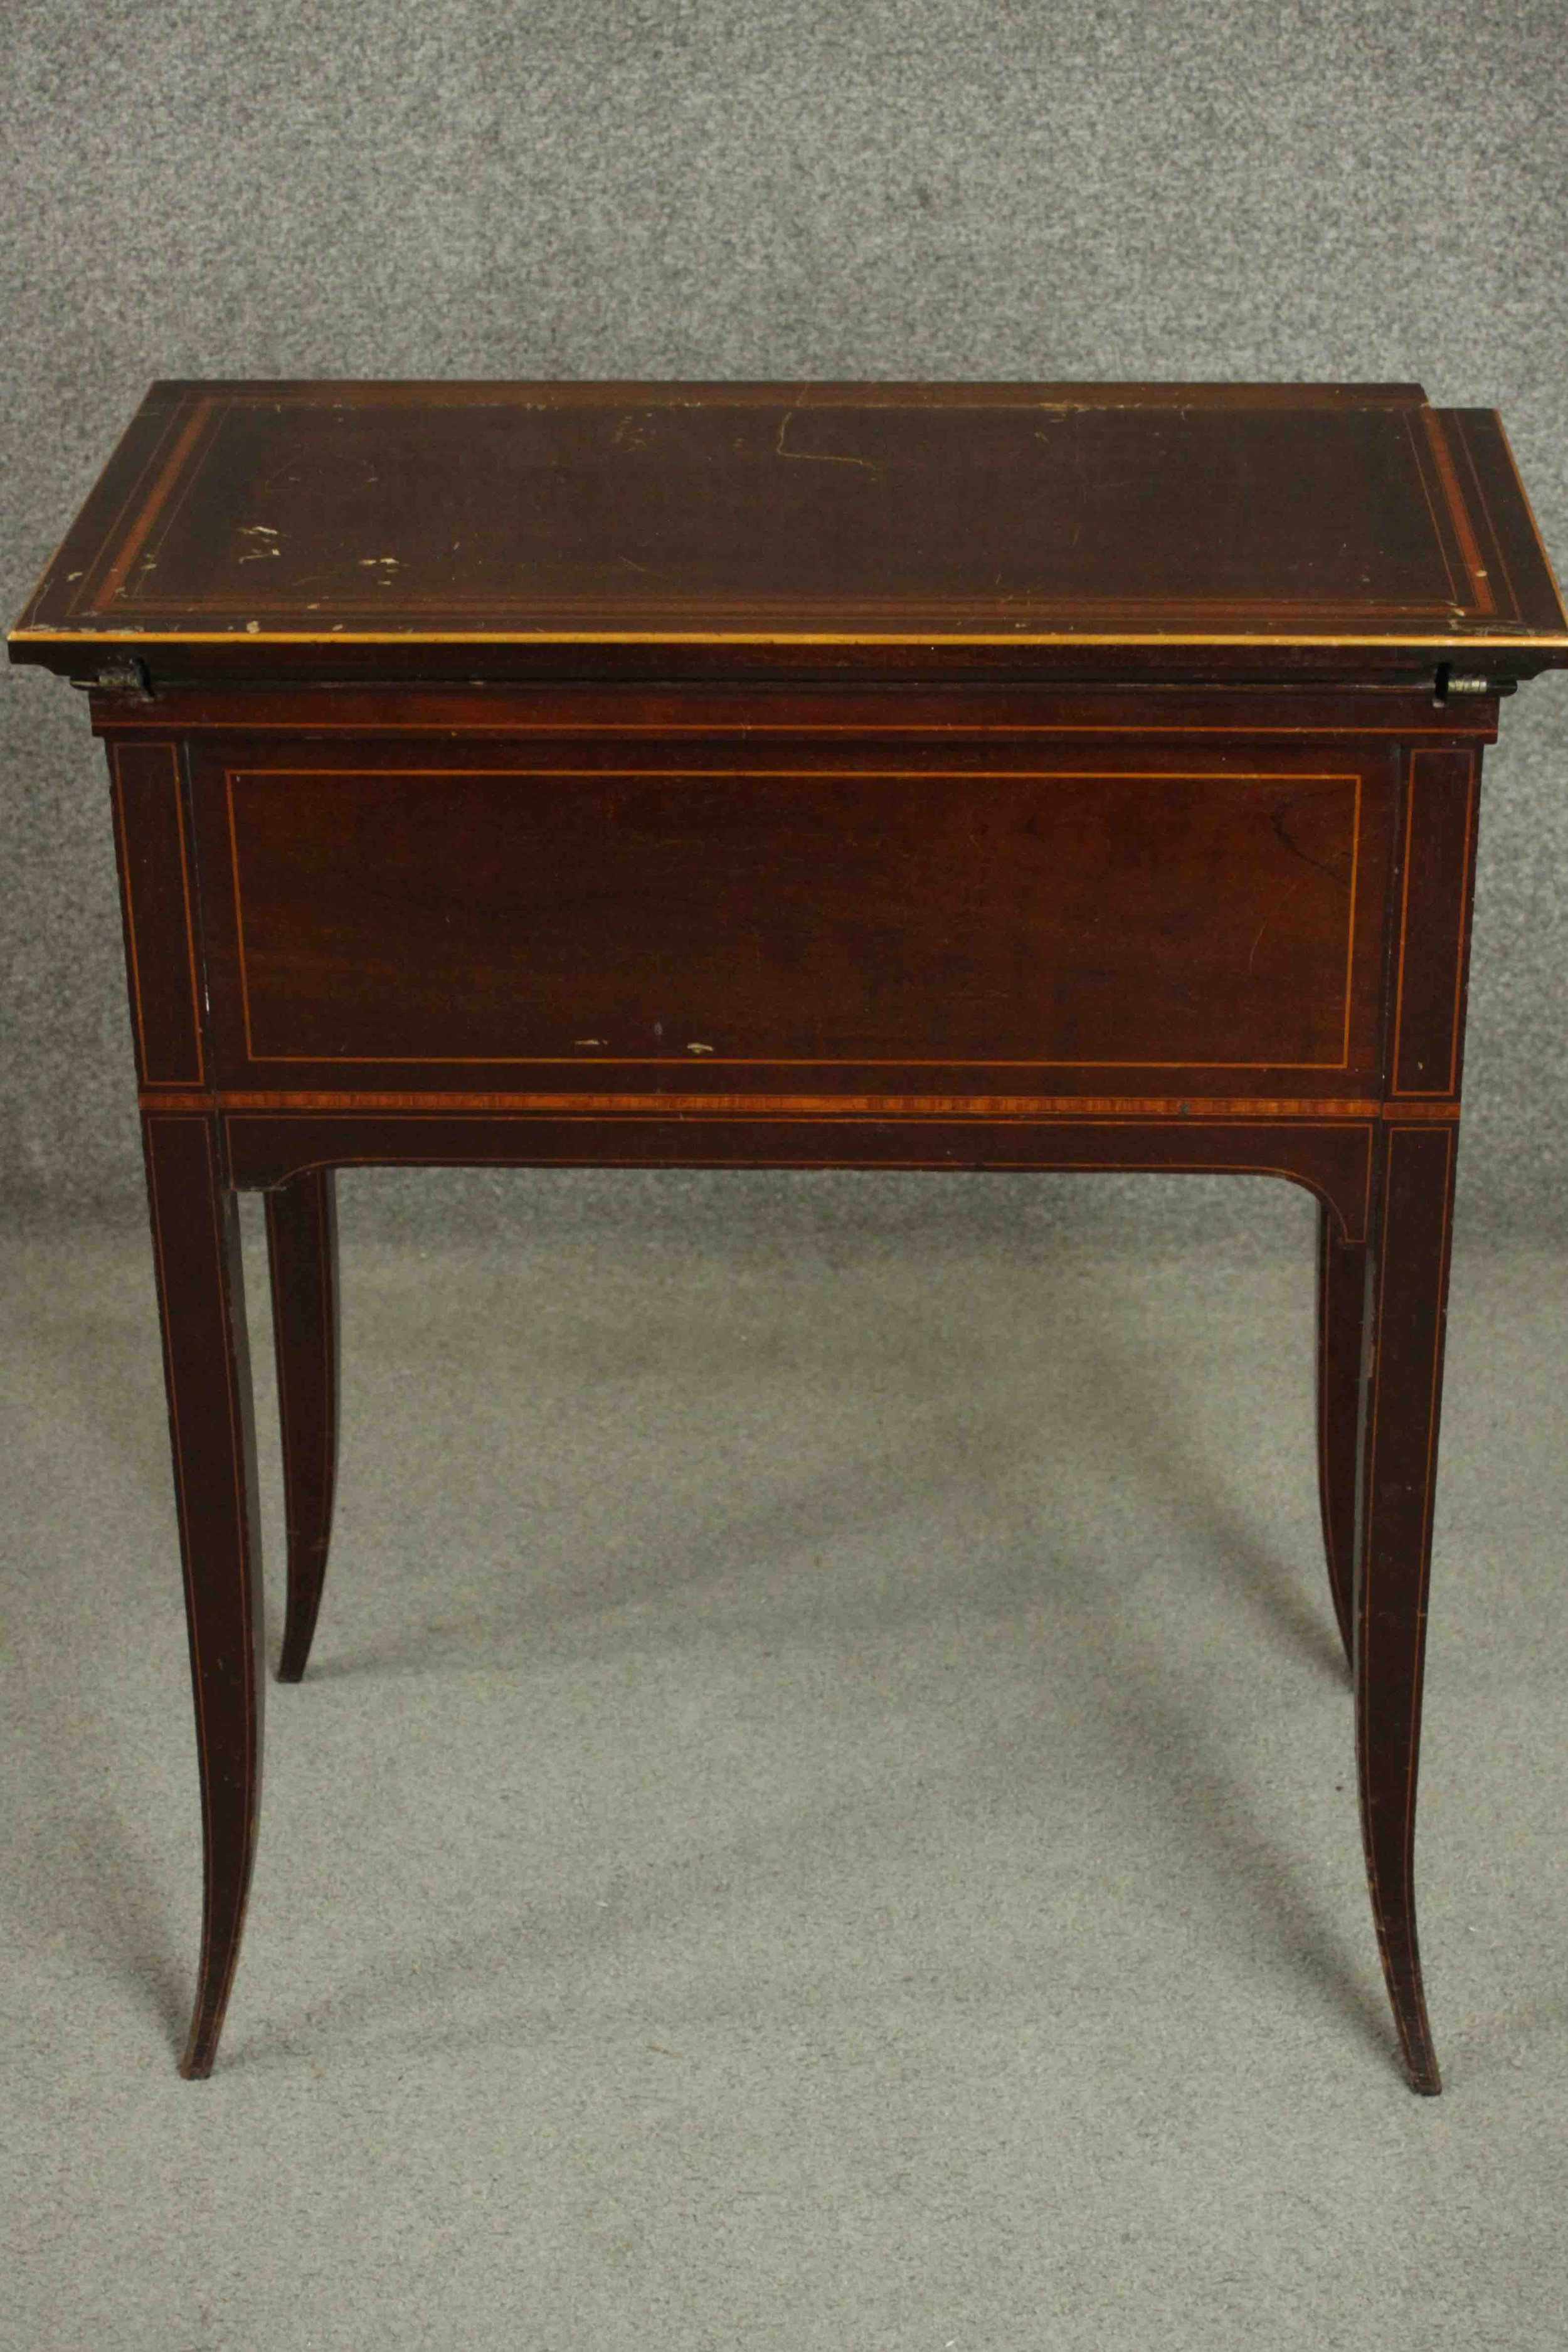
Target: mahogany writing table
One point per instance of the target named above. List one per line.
(1001, 776)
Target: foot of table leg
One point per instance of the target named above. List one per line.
(302, 1248)
(1341, 1316)
(196, 1236)
(1414, 1187)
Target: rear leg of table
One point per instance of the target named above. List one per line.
(196, 1234)
(303, 1249)
(1342, 1320)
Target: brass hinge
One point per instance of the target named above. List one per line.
(1446, 684)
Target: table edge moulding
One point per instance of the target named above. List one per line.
(1006, 777)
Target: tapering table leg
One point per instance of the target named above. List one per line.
(1414, 1189)
(1341, 1318)
(303, 1249)
(196, 1236)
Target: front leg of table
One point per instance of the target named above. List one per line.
(302, 1252)
(201, 1299)
(1412, 1196)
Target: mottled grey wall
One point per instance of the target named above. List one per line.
(644, 187)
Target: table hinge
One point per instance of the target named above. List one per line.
(1446, 684)
(123, 674)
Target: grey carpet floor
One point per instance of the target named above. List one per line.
(821, 1815)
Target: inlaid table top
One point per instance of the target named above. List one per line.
(1231, 521)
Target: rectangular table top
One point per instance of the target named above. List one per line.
(269, 519)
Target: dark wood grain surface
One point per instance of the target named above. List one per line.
(1256, 519)
(702, 916)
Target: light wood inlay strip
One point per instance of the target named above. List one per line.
(809, 1105)
(1474, 642)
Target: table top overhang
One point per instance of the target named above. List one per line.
(251, 529)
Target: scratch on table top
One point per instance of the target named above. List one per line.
(818, 456)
